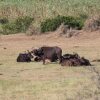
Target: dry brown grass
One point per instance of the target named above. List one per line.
(34, 81)
(93, 23)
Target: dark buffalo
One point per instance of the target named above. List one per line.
(74, 60)
(71, 56)
(70, 62)
(51, 53)
(85, 62)
(66, 62)
(24, 57)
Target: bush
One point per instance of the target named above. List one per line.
(23, 23)
(9, 28)
(19, 25)
(53, 24)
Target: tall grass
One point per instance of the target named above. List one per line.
(43, 9)
(47, 8)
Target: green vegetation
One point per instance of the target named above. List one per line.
(49, 8)
(19, 25)
(41, 10)
(54, 23)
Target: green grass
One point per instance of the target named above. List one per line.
(53, 7)
(43, 82)
(43, 9)
(35, 81)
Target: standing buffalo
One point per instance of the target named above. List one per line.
(24, 57)
(51, 53)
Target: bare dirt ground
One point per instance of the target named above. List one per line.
(34, 81)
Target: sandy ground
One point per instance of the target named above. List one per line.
(83, 42)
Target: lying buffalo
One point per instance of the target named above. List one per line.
(24, 57)
(70, 62)
(74, 60)
(85, 61)
(70, 56)
(51, 53)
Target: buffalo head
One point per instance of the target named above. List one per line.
(37, 52)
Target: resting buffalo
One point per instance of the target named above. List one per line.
(71, 62)
(85, 62)
(51, 53)
(24, 57)
(74, 60)
(70, 56)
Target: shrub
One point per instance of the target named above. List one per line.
(23, 23)
(53, 24)
(19, 25)
(9, 28)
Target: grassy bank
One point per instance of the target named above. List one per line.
(43, 9)
(48, 8)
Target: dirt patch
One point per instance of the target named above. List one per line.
(53, 39)
(15, 37)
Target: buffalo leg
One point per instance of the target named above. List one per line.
(43, 58)
(59, 57)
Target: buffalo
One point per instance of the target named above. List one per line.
(85, 62)
(52, 53)
(24, 57)
(74, 60)
(70, 56)
(70, 62)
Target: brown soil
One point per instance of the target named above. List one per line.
(83, 41)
